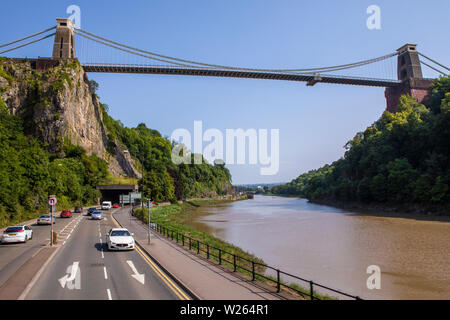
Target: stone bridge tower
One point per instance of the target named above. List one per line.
(409, 72)
(64, 45)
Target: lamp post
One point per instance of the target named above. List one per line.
(149, 205)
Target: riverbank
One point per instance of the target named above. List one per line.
(411, 211)
(174, 215)
(334, 247)
(391, 211)
(174, 219)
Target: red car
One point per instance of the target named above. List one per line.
(115, 205)
(66, 214)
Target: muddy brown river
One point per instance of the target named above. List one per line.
(335, 247)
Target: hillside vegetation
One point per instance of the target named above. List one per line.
(29, 173)
(402, 159)
(56, 138)
(163, 180)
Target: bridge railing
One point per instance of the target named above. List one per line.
(257, 271)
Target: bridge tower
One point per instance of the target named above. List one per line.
(64, 45)
(409, 71)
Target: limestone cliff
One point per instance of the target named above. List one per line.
(58, 103)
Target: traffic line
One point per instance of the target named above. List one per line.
(170, 284)
(175, 289)
(109, 294)
(106, 274)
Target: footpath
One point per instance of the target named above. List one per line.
(205, 279)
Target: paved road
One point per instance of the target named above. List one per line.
(12, 256)
(84, 269)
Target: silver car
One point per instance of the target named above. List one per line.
(45, 219)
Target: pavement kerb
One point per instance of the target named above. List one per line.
(177, 281)
(38, 274)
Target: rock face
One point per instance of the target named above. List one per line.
(58, 104)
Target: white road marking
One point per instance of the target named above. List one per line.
(109, 294)
(139, 277)
(103, 256)
(106, 274)
(74, 275)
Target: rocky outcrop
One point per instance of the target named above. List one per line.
(126, 162)
(59, 104)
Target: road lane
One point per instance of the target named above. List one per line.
(83, 248)
(101, 275)
(13, 256)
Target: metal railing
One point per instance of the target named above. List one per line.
(252, 268)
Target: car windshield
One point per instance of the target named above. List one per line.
(13, 229)
(45, 217)
(120, 233)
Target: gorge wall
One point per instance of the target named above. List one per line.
(57, 103)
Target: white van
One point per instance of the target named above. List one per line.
(106, 205)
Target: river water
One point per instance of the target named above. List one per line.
(335, 247)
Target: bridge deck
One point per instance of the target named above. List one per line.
(108, 68)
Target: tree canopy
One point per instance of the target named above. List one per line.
(402, 158)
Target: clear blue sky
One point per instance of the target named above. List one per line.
(315, 123)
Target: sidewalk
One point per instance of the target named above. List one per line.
(205, 279)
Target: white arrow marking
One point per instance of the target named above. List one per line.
(136, 275)
(73, 274)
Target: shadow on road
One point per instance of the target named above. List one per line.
(100, 246)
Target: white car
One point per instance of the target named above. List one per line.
(17, 234)
(120, 239)
(45, 219)
(106, 205)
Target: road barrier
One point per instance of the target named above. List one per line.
(251, 267)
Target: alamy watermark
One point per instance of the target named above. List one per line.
(374, 280)
(75, 15)
(374, 20)
(234, 147)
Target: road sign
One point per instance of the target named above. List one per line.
(125, 199)
(135, 196)
(52, 201)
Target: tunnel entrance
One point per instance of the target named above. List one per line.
(113, 192)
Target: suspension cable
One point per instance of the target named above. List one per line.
(129, 51)
(437, 70)
(28, 43)
(312, 70)
(32, 36)
(191, 66)
(433, 61)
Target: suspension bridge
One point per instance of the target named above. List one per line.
(399, 72)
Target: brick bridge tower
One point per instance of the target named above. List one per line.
(64, 45)
(409, 72)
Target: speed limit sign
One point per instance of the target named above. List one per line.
(52, 201)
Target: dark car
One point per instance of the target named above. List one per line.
(90, 210)
(78, 210)
(66, 214)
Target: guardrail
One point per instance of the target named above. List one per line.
(248, 266)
